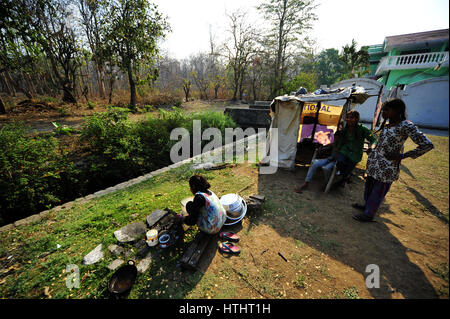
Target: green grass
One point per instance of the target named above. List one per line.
(79, 229)
(300, 281)
(350, 293)
(37, 263)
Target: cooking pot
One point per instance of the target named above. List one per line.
(123, 279)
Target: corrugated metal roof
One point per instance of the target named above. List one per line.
(416, 40)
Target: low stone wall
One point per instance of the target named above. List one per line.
(137, 180)
(245, 117)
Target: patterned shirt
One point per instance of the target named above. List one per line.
(213, 215)
(392, 140)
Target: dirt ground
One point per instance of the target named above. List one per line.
(309, 246)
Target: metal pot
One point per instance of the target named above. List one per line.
(123, 279)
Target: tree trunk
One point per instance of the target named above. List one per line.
(132, 86)
(101, 88)
(6, 83)
(186, 89)
(2, 107)
(26, 85)
(11, 84)
(216, 91)
(111, 87)
(68, 94)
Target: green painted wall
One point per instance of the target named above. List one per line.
(396, 77)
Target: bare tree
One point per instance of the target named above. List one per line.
(199, 73)
(92, 13)
(291, 18)
(239, 49)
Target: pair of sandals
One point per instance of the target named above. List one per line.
(227, 246)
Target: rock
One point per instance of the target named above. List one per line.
(130, 232)
(6, 228)
(114, 249)
(144, 264)
(155, 216)
(115, 264)
(28, 220)
(254, 207)
(95, 255)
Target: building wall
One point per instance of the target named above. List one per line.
(427, 102)
(406, 77)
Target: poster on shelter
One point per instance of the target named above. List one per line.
(329, 116)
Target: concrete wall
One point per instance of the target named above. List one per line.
(427, 102)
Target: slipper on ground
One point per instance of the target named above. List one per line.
(229, 236)
(229, 248)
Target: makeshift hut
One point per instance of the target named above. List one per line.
(303, 122)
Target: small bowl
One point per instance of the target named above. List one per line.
(164, 240)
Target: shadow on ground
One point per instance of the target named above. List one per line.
(350, 242)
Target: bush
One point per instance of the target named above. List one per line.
(155, 132)
(115, 146)
(34, 173)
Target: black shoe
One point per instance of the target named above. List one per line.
(362, 218)
(359, 207)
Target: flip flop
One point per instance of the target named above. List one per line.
(229, 248)
(229, 236)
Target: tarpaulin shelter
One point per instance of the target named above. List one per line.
(308, 119)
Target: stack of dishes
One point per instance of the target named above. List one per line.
(235, 206)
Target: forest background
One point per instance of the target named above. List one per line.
(63, 56)
(91, 48)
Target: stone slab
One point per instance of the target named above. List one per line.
(144, 264)
(28, 220)
(93, 256)
(155, 216)
(6, 227)
(130, 232)
(115, 264)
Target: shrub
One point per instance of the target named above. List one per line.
(115, 147)
(91, 105)
(34, 173)
(155, 132)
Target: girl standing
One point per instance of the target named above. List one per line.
(383, 163)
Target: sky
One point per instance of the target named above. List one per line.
(339, 21)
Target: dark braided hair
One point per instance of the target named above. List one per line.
(199, 184)
(397, 105)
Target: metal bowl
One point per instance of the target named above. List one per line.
(184, 202)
